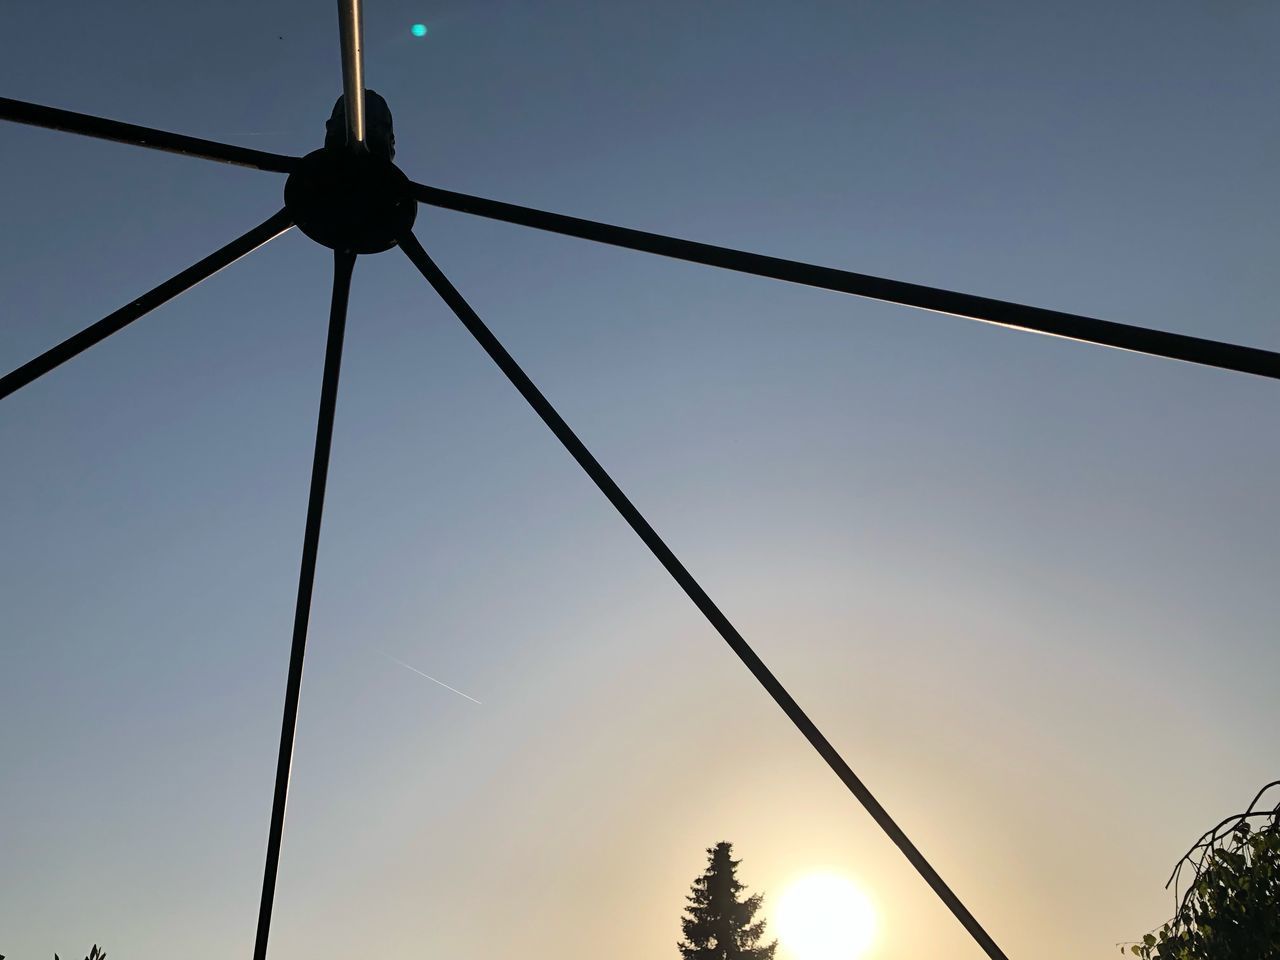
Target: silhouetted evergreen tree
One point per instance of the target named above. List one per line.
(717, 924)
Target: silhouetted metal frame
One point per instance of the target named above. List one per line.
(1159, 343)
(622, 503)
(52, 118)
(1070, 326)
(1172, 346)
(114, 322)
(343, 265)
(351, 43)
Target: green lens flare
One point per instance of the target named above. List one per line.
(418, 29)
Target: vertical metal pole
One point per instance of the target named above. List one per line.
(351, 37)
(343, 263)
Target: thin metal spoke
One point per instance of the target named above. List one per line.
(351, 39)
(343, 263)
(112, 323)
(38, 115)
(1173, 346)
(413, 249)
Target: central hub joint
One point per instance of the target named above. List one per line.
(351, 200)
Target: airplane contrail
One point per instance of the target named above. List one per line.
(431, 678)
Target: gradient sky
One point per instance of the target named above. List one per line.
(1028, 587)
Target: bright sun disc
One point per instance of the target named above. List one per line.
(825, 917)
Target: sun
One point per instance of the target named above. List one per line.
(824, 916)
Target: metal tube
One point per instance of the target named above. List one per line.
(343, 263)
(114, 322)
(1070, 326)
(351, 37)
(38, 115)
(728, 632)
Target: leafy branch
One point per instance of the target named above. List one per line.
(1230, 909)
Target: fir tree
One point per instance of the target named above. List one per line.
(718, 924)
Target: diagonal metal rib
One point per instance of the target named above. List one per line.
(38, 115)
(114, 322)
(413, 249)
(1173, 346)
(343, 263)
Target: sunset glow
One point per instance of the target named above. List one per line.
(686, 481)
(824, 916)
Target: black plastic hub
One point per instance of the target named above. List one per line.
(350, 201)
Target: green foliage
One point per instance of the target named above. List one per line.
(1231, 911)
(718, 924)
(95, 954)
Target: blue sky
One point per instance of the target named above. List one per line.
(1026, 586)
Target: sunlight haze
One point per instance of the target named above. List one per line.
(1026, 586)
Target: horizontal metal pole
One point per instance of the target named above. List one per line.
(1174, 346)
(114, 322)
(52, 118)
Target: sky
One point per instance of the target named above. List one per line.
(1026, 586)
